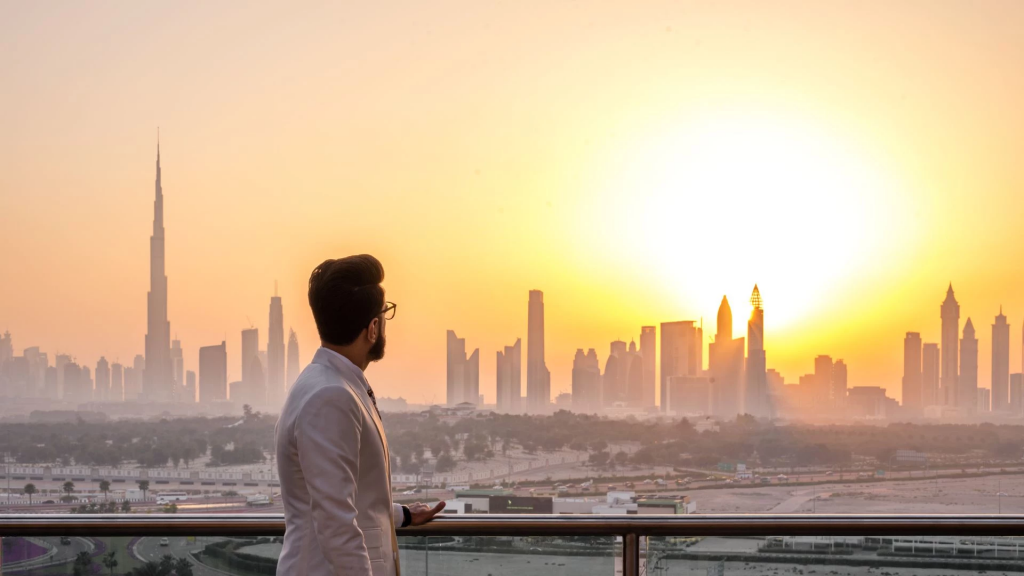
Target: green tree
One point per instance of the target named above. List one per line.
(110, 561)
(30, 489)
(126, 506)
(68, 487)
(144, 486)
(105, 488)
(83, 561)
(182, 567)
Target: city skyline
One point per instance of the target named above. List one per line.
(631, 195)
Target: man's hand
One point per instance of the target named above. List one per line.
(421, 513)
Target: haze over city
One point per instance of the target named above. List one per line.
(849, 163)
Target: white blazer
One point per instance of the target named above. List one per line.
(333, 462)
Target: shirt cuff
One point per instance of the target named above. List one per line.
(406, 516)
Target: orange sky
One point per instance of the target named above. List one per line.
(634, 161)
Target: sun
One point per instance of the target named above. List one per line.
(735, 199)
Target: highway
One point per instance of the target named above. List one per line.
(150, 550)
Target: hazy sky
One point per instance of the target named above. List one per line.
(633, 160)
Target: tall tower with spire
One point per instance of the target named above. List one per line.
(275, 352)
(757, 374)
(950, 371)
(969, 370)
(157, 379)
(725, 361)
(1000, 364)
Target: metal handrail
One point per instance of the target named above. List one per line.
(532, 525)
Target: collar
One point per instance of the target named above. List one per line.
(342, 364)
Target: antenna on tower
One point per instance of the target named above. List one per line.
(755, 298)
(250, 322)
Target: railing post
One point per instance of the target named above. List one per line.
(630, 554)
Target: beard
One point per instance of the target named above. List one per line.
(377, 350)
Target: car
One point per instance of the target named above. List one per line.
(829, 473)
(408, 493)
(165, 542)
(630, 485)
(612, 487)
(64, 540)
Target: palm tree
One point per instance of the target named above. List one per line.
(126, 506)
(83, 561)
(30, 489)
(68, 488)
(110, 561)
(182, 567)
(104, 487)
(144, 486)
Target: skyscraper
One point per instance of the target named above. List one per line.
(1016, 394)
(757, 379)
(213, 373)
(74, 384)
(116, 393)
(725, 362)
(682, 347)
(839, 384)
(649, 351)
(252, 368)
(913, 395)
(463, 373)
(634, 376)
(61, 361)
(538, 378)
(157, 377)
(509, 378)
(6, 348)
(823, 382)
(613, 383)
(293, 358)
(102, 380)
(586, 382)
(1000, 363)
(275, 352)
(969, 371)
(177, 368)
(190, 386)
(984, 399)
(930, 370)
(133, 385)
(950, 312)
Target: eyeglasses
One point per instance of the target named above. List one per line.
(389, 310)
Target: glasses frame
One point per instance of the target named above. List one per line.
(389, 310)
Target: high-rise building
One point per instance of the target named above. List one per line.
(984, 400)
(649, 352)
(62, 360)
(293, 358)
(6, 348)
(213, 373)
(839, 384)
(968, 370)
(50, 383)
(158, 378)
(190, 386)
(116, 393)
(586, 382)
(634, 376)
(613, 383)
(930, 370)
(72, 384)
(275, 353)
(509, 388)
(913, 394)
(682, 347)
(950, 312)
(102, 392)
(177, 369)
(823, 382)
(1000, 363)
(689, 396)
(1016, 394)
(37, 363)
(463, 373)
(252, 369)
(756, 394)
(725, 362)
(133, 385)
(538, 378)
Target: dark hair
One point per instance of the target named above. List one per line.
(345, 295)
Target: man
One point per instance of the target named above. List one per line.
(332, 455)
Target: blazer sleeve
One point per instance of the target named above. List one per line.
(327, 435)
(397, 515)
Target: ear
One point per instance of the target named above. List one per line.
(373, 330)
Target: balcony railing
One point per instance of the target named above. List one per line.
(632, 544)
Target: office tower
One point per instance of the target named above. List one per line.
(682, 346)
(538, 378)
(757, 380)
(213, 373)
(14, 377)
(689, 396)
(839, 384)
(968, 380)
(102, 392)
(984, 400)
(1016, 394)
(6, 348)
(649, 351)
(37, 363)
(50, 383)
(634, 377)
(177, 370)
(293, 358)
(775, 381)
(950, 349)
(1000, 363)
(157, 377)
(586, 382)
(510, 381)
(275, 352)
(62, 360)
(930, 370)
(725, 362)
(251, 378)
(463, 373)
(823, 382)
(72, 382)
(913, 393)
(116, 393)
(190, 386)
(251, 391)
(613, 383)
(133, 386)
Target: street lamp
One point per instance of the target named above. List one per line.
(999, 496)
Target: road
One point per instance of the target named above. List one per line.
(149, 549)
(65, 553)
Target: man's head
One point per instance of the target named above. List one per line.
(348, 303)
